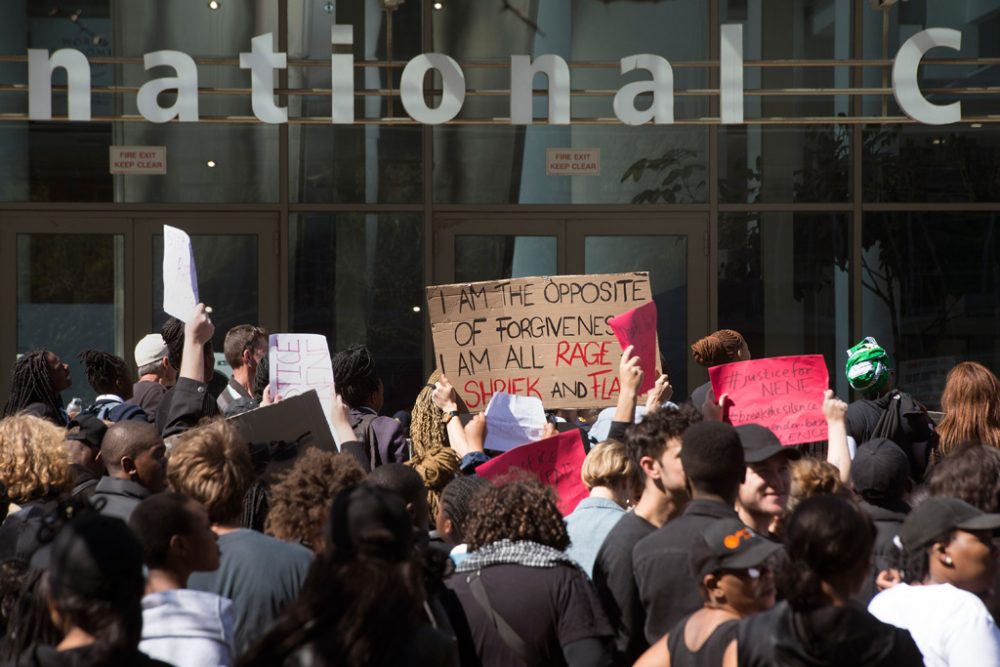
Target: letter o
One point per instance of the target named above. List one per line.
(411, 88)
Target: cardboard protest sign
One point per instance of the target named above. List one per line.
(785, 394)
(512, 421)
(545, 337)
(180, 277)
(299, 363)
(555, 461)
(298, 419)
(637, 327)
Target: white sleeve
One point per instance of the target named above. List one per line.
(974, 638)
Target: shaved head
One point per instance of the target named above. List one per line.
(127, 439)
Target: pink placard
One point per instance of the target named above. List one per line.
(555, 461)
(637, 327)
(785, 394)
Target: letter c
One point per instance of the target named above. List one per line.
(904, 77)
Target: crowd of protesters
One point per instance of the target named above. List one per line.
(143, 530)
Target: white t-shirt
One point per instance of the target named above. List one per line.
(951, 627)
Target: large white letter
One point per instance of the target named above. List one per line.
(522, 76)
(262, 61)
(731, 73)
(411, 88)
(904, 77)
(342, 75)
(40, 68)
(662, 87)
(185, 83)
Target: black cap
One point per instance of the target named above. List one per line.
(937, 516)
(760, 443)
(880, 470)
(729, 545)
(88, 429)
(371, 521)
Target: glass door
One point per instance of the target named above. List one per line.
(491, 248)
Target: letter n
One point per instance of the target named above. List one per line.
(40, 68)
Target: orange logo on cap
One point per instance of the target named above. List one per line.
(733, 541)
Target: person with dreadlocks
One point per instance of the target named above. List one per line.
(356, 379)
(111, 378)
(432, 457)
(37, 379)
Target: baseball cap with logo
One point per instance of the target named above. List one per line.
(729, 545)
(937, 516)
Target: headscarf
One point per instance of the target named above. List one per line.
(867, 367)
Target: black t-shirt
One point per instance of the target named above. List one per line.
(615, 583)
(668, 589)
(548, 607)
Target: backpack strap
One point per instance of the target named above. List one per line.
(509, 636)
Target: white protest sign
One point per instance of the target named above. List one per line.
(301, 363)
(512, 421)
(180, 277)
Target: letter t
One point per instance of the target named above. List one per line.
(261, 62)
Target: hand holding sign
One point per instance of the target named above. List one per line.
(637, 328)
(555, 461)
(785, 394)
(300, 363)
(180, 277)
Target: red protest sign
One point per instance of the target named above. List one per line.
(637, 327)
(785, 394)
(555, 461)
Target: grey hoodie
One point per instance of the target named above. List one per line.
(189, 628)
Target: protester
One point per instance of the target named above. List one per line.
(363, 603)
(949, 560)
(828, 540)
(884, 411)
(436, 462)
(34, 469)
(95, 585)
(810, 477)
(881, 475)
(181, 626)
(611, 477)
(405, 481)
(192, 341)
(763, 495)
(135, 457)
(245, 345)
(721, 347)
(300, 501)
(260, 574)
(524, 600)
(356, 379)
(111, 378)
(36, 383)
(453, 511)
(971, 405)
(733, 569)
(155, 374)
(712, 460)
(84, 436)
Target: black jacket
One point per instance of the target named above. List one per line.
(885, 553)
(120, 496)
(845, 636)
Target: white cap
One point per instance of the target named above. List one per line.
(150, 350)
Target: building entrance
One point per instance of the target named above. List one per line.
(673, 248)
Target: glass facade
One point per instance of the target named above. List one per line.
(826, 216)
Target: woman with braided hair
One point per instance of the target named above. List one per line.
(432, 457)
(721, 347)
(111, 378)
(36, 381)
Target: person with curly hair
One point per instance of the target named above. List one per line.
(432, 456)
(971, 405)
(523, 598)
(720, 347)
(34, 467)
(36, 383)
(300, 501)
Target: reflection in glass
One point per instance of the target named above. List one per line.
(227, 281)
(359, 279)
(497, 257)
(665, 258)
(70, 298)
(783, 284)
(931, 293)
